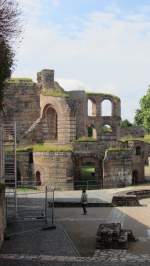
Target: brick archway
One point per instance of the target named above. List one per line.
(80, 160)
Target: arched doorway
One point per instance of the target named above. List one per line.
(38, 178)
(135, 177)
(88, 172)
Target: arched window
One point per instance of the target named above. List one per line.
(50, 123)
(106, 129)
(91, 108)
(138, 150)
(92, 132)
(38, 178)
(106, 108)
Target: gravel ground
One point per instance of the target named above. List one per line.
(73, 241)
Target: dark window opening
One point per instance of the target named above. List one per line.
(138, 150)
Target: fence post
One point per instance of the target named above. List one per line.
(53, 207)
(45, 205)
(87, 184)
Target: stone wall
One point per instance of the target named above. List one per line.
(137, 132)
(98, 120)
(117, 169)
(21, 104)
(54, 168)
(2, 214)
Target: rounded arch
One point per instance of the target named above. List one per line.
(50, 122)
(106, 107)
(107, 129)
(135, 177)
(91, 107)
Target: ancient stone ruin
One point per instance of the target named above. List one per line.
(61, 135)
(112, 236)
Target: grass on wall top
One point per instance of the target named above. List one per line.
(130, 138)
(19, 80)
(45, 148)
(86, 139)
(102, 94)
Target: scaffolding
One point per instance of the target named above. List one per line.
(8, 163)
(1, 156)
(9, 150)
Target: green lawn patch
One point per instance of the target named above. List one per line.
(27, 189)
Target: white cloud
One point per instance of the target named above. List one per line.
(56, 3)
(110, 54)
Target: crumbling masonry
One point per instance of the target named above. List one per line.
(46, 114)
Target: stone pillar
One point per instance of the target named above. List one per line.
(46, 78)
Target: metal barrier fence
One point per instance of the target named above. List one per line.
(88, 184)
(30, 203)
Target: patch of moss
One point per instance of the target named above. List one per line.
(102, 94)
(46, 148)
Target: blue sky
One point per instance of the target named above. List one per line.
(95, 45)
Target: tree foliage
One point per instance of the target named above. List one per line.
(126, 124)
(9, 19)
(9, 29)
(6, 62)
(142, 116)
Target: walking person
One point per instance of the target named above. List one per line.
(84, 201)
